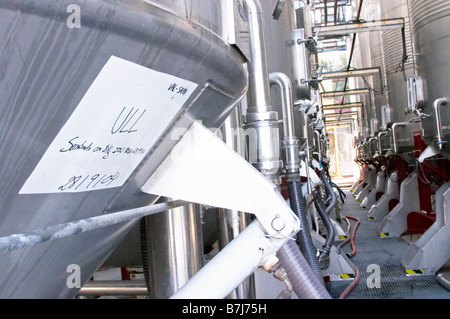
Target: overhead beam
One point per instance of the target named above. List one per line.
(358, 27)
(342, 106)
(331, 49)
(336, 115)
(342, 93)
(336, 123)
(351, 73)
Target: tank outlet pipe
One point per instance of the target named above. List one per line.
(287, 102)
(380, 135)
(304, 282)
(291, 149)
(261, 121)
(290, 143)
(18, 241)
(437, 109)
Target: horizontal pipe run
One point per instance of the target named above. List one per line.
(18, 241)
(351, 73)
(114, 288)
(333, 94)
(357, 27)
(339, 115)
(342, 106)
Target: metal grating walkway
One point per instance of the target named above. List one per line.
(385, 253)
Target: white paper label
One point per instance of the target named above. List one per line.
(117, 122)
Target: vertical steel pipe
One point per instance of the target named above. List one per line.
(437, 109)
(175, 249)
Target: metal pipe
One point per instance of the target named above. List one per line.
(287, 102)
(260, 116)
(18, 241)
(175, 246)
(291, 144)
(437, 108)
(114, 288)
(233, 222)
(259, 88)
(380, 150)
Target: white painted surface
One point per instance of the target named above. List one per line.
(117, 122)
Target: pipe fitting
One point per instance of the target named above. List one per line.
(291, 158)
(290, 143)
(437, 109)
(261, 120)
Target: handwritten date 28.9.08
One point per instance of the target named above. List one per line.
(88, 182)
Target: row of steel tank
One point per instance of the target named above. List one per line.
(62, 64)
(48, 64)
(417, 52)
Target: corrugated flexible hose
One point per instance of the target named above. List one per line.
(304, 282)
(298, 206)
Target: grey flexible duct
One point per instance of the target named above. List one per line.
(324, 257)
(304, 282)
(326, 221)
(307, 247)
(330, 192)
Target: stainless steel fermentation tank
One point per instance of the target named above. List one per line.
(426, 40)
(387, 51)
(46, 69)
(430, 24)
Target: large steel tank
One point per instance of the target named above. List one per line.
(430, 24)
(392, 52)
(52, 61)
(397, 69)
(362, 59)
